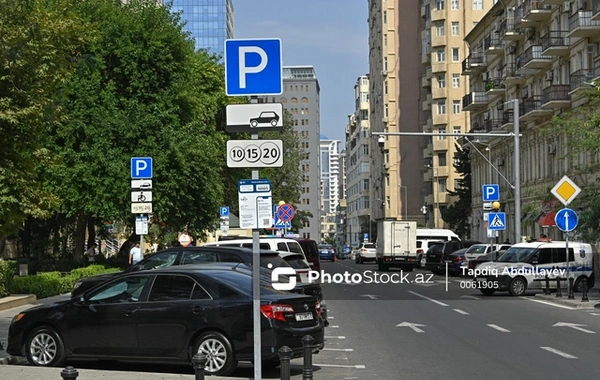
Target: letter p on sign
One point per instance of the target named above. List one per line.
(141, 167)
(253, 67)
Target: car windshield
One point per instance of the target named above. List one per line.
(516, 255)
(477, 249)
(372, 246)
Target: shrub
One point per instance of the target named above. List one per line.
(8, 269)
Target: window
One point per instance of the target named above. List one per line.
(442, 185)
(455, 28)
(125, 290)
(161, 260)
(440, 29)
(385, 40)
(385, 17)
(456, 80)
(385, 65)
(228, 257)
(456, 130)
(477, 4)
(385, 87)
(455, 54)
(198, 258)
(441, 107)
(441, 55)
(454, 5)
(456, 107)
(172, 288)
(441, 132)
(442, 159)
(441, 79)
(439, 5)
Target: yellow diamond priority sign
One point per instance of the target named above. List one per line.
(566, 190)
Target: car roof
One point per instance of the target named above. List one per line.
(266, 252)
(205, 267)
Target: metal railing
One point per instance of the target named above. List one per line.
(531, 5)
(533, 103)
(555, 38)
(595, 6)
(533, 52)
(509, 71)
(579, 77)
(474, 97)
(556, 92)
(580, 19)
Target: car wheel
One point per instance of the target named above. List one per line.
(219, 353)
(274, 123)
(254, 123)
(45, 347)
(517, 286)
(578, 286)
(487, 291)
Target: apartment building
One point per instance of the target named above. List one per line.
(539, 54)
(443, 50)
(330, 196)
(394, 69)
(358, 169)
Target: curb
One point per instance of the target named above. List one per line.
(16, 301)
(566, 302)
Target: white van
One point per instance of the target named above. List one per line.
(436, 234)
(525, 266)
(289, 250)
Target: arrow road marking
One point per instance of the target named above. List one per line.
(414, 326)
(461, 312)
(427, 298)
(575, 326)
(371, 296)
(496, 327)
(557, 352)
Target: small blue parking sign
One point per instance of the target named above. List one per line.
(253, 67)
(224, 211)
(141, 167)
(491, 193)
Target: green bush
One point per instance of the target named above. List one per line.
(8, 269)
(48, 284)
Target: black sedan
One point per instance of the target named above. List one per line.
(197, 255)
(168, 315)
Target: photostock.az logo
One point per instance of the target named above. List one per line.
(285, 272)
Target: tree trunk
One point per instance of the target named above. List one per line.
(25, 237)
(80, 237)
(91, 228)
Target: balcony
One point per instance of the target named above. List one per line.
(508, 119)
(494, 87)
(428, 151)
(427, 176)
(474, 64)
(579, 78)
(426, 55)
(427, 103)
(439, 93)
(556, 96)
(508, 32)
(492, 125)
(533, 59)
(438, 15)
(556, 43)
(441, 145)
(493, 44)
(582, 25)
(442, 171)
(553, 2)
(532, 109)
(475, 101)
(510, 74)
(439, 67)
(535, 10)
(521, 21)
(595, 10)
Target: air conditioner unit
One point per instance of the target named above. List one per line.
(567, 6)
(384, 120)
(384, 72)
(551, 149)
(549, 76)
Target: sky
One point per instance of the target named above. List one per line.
(331, 35)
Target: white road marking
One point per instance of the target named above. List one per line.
(414, 326)
(339, 349)
(594, 314)
(333, 327)
(550, 303)
(340, 358)
(471, 297)
(335, 337)
(496, 327)
(328, 317)
(358, 366)
(575, 326)
(557, 352)
(461, 312)
(427, 298)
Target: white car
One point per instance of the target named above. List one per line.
(477, 250)
(366, 252)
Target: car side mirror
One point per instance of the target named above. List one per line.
(534, 261)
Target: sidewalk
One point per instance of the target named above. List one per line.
(592, 303)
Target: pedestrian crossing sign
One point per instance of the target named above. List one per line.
(497, 221)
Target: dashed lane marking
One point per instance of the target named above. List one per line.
(339, 349)
(427, 298)
(550, 303)
(335, 337)
(358, 366)
(461, 312)
(560, 353)
(496, 327)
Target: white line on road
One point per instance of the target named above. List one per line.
(335, 337)
(557, 352)
(339, 349)
(333, 326)
(501, 329)
(594, 314)
(550, 303)
(358, 366)
(329, 317)
(341, 358)
(461, 312)
(427, 298)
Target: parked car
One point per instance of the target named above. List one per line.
(366, 252)
(311, 251)
(202, 255)
(457, 262)
(326, 252)
(439, 253)
(422, 247)
(477, 250)
(168, 315)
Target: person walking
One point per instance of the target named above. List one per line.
(91, 253)
(135, 254)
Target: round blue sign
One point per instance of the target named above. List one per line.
(566, 220)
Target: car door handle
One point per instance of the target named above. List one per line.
(198, 310)
(128, 312)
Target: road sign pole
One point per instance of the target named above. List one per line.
(517, 166)
(569, 290)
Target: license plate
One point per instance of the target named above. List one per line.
(399, 258)
(304, 316)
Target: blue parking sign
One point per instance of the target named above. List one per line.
(491, 193)
(253, 67)
(141, 167)
(224, 211)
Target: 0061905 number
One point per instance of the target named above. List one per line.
(479, 285)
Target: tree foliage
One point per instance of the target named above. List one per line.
(457, 215)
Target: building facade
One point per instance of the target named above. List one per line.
(541, 56)
(442, 53)
(210, 22)
(330, 171)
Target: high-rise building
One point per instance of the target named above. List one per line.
(358, 171)
(300, 98)
(330, 196)
(210, 22)
(442, 53)
(394, 70)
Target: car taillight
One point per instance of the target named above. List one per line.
(318, 309)
(276, 311)
(420, 251)
(457, 260)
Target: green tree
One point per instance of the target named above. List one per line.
(38, 40)
(457, 215)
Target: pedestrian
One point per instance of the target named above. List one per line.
(135, 254)
(507, 241)
(91, 253)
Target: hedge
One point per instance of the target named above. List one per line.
(8, 269)
(48, 284)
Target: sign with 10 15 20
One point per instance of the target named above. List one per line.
(254, 153)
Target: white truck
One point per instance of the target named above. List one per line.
(396, 244)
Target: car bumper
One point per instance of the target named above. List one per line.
(15, 341)
(273, 340)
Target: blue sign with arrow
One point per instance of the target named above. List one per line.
(566, 220)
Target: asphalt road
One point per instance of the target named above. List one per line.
(446, 331)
